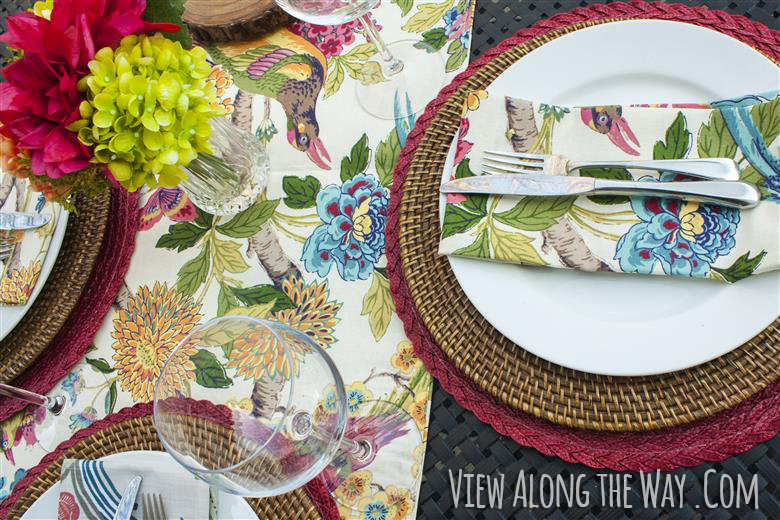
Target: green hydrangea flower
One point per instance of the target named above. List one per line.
(147, 110)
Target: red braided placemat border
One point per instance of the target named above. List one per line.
(315, 488)
(70, 344)
(733, 431)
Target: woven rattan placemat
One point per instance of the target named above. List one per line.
(133, 429)
(61, 291)
(505, 371)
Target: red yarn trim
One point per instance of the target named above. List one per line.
(70, 344)
(732, 431)
(315, 489)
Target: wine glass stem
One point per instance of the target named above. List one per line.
(52, 404)
(390, 64)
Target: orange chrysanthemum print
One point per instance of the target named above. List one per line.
(152, 324)
(259, 353)
(18, 284)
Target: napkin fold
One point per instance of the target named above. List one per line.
(646, 235)
(19, 273)
(92, 489)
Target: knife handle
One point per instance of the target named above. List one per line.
(734, 194)
(713, 169)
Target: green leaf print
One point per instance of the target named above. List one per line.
(357, 160)
(476, 203)
(181, 236)
(100, 365)
(249, 221)
(751, 175)
(458, 54)
(110, 400)
(193, 274)
(715, 139)
(361, 52)
(204, 219)
(301, 193)
(514, 247)
(741, 268)
(535, 213)
(404, 5)
(433, 40)
(335, 78)
(226, 300)
(678, 140)
(387, 154)
(480, 248)
(766, 116)
(464, 170)
(227, 256)
(209, 372)
(615, 174)
(427, 15)
(458, 220)
(370, 73)
(259, 294)
(378, 305)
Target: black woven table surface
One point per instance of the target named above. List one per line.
(457, 440)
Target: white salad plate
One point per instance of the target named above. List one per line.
(10, 315)
(621, 324)
(228, 506)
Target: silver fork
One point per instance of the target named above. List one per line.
(153, 506)
(511, 162)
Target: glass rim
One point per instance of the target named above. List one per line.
(269, 324)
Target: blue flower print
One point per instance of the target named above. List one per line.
(83, 419)
(352, 233)
(72, 384)
(456, 25)
(18, 475)
(684, 237)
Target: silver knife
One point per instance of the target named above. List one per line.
(125, 508)
(735, 194)
(14, 220)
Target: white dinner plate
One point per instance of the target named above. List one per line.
(11, 314)
(620, 324)
(228, 506)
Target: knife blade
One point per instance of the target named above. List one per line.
(125, 508)
(735, 194)
(14, 220)
(527, 184)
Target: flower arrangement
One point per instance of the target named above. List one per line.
(94, 100)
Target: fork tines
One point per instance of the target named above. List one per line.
(153, 507)
(504, 162)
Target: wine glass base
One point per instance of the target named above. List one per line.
(385, 476)
(408, 91)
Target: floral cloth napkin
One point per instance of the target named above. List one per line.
(645, 235)
(93, 488)
(20, 272)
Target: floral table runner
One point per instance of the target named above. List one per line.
(276, 259)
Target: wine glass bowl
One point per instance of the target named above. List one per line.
(327, 12)
(417, 85)
(263, 435)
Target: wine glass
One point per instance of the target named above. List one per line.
(228, 180)
(49, 408)
(420, 85)
(276, 416)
